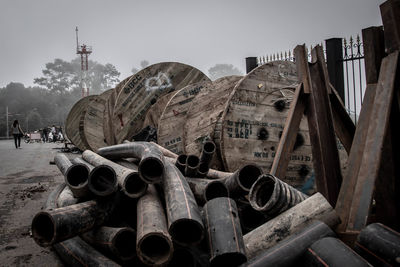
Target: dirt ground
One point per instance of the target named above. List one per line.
(26, 180)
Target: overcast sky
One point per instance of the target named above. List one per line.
(199, 33)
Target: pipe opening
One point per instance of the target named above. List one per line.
(134, 185)
(228, 259)
(248, 175)
(209, 147)
(43, 229)
(77, 175)
(263, 190)
(203, 168)
(182, 257)
(215, 189)
(151, 169)
(181, 160)
(186, 232)
(102, 180)
(155, 248)
(125, 244)
(192, 161)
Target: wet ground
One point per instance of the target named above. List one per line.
(26, 180)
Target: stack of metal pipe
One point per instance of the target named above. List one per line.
(138, 204)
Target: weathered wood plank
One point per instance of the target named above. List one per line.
(323, 142)
(374, 144)
(390, 13)
(374, 52)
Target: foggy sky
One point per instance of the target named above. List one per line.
(199, 33)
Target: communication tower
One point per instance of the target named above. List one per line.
(84, 51)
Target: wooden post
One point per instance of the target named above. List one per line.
(251, 64)
(390, 12)
(334, 58)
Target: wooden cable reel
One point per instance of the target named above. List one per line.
(204, 113)
(172, 120)
(73, 120)
(143, 89)
(93, 121)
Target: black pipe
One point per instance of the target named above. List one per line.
(154, 244)
(185, 223)
(80, 160)
(224, 233)
(151, 158)
(135, 187)
(119, 241)
(273, 196)
(128, 179)
(74, 251)
(192, 164)
(207, 152)
(289, 251)
(240, 182)
(182, 257)
(66, 198)
(205, 190)
(180, 163)
(379, 245)
(56, 225)
(103, 181)
(76, 175)
(250, 218)
(331, 251)
(203, 169)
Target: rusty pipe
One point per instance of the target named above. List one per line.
(180, 163)
(192, 164)
(103, 181)
(205, 189)
(203, 169)
(273, 196)
(56, 225)
(240, 182)
(185, 223)
(154, 244)
(119, 241)
(207, 152)
(290, 251)
(330, 251)
(76, 175)
(128, 179)
(151, 159)
(270, 233)
(224, 234)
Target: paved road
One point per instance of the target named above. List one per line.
(26, 180)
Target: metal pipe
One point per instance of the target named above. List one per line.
(207, 152)
(192, 164)
(331, 251)
(270, 233)
(80, 160)
(151, 166)
(56, 225)
(129, 180)
(74, 251)
(205, 190)
(289, 251)
(240, 182)
(103, 181)
(224, 233)
(202, 170)
(249, 217)
(76, 175)
(273, 196)
(185, 223)
(119, 241)
(66, 198)
(135, 186)
(379, 245)
(154, 245)
(180, 162)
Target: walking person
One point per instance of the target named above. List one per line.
(45, 134)
(17, 133)
(53, 132)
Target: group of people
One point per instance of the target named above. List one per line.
(49, 134)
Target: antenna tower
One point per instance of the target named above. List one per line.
(84, 51)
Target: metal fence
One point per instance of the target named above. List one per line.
(348, 63)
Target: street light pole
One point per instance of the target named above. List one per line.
(7, 121)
